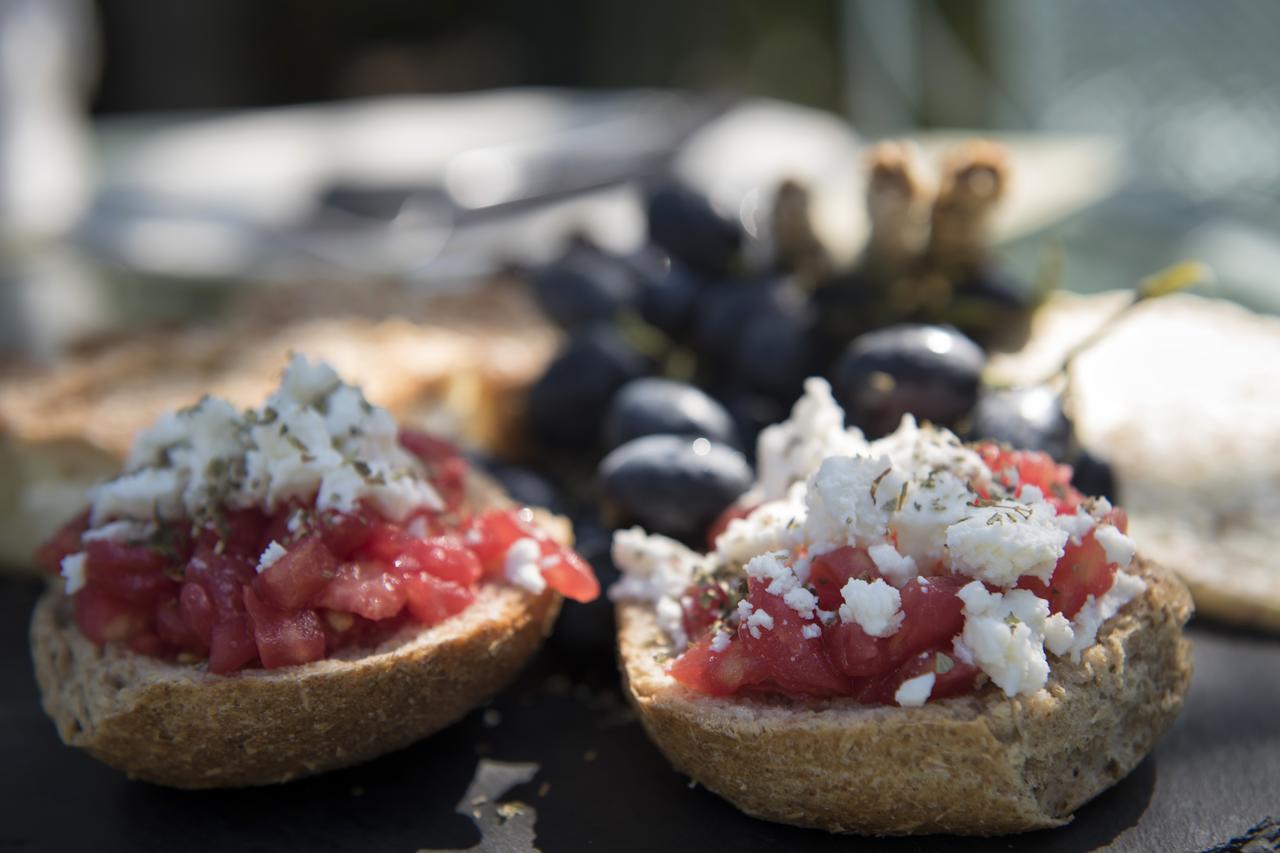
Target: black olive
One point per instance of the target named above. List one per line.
(567, 403)
(930, 371)
(665, 407)
(673, 485)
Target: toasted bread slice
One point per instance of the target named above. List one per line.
(982, 764)
(1179, 395)
(176, 724)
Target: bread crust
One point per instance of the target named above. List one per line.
(177, 724)
(975, 765)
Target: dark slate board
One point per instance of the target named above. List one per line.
(601, 785)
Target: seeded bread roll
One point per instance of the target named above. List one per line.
(176, 724)
(976, 765)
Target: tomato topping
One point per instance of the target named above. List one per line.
(130, 573)
(829, 572)
(63, 544)
(1082, 571)
(367, 588)
(567, 573)
(491, 534)
(446, 468)
(1016, 468)
(232, 644)
(952, 677)
(432, 600)
(296, 578)
(343, 578)
(702, 606)
(932, 616)
(103, 618)
(284, 638)
(717, 673)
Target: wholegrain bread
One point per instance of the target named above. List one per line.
(982, 764)
(1179, 395)
(176, 724)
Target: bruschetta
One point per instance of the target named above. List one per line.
(909, 635)
(270, 594)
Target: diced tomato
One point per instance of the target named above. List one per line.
(366, 587)
(445, 557)
(197, 612)
(284, 638)
(240, 531)
(717, 673)
(432, 600)
(1016, 468)
(222, 576)
(63, 544)
(829, 572)
(129, 572)
(932, 616)
(792, 662)
(490, 535)
(1082, 571)
(446, 468)
(232, 643)
(702, 606)
(345, 533)
(295, 579)
(103, 618)
(721, 524)
(174, 630)
(148, 644)
(853, 651)
(952, 677)
(567, 573)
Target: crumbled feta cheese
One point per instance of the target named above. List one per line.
(914, 692)
(788, 452)
(1077, 524)
(314, 437)
(270, 555)
(875, 606)
(720, 641)
(772, 526)
(782, 581)
(143, 494)
(520, 567)
(1059, 635)
(73, 570)
(121, 532)
(921, 450)
(932, 505)
(1096, 611)
(670, 618)
(1119, 547)
(897, 568)
(1002, 542)
(759, 620)
(1005, 635)
(847, 500)
(802, 601)
(652, 566)
(812, 631)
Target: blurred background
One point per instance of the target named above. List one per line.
(152, 156)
